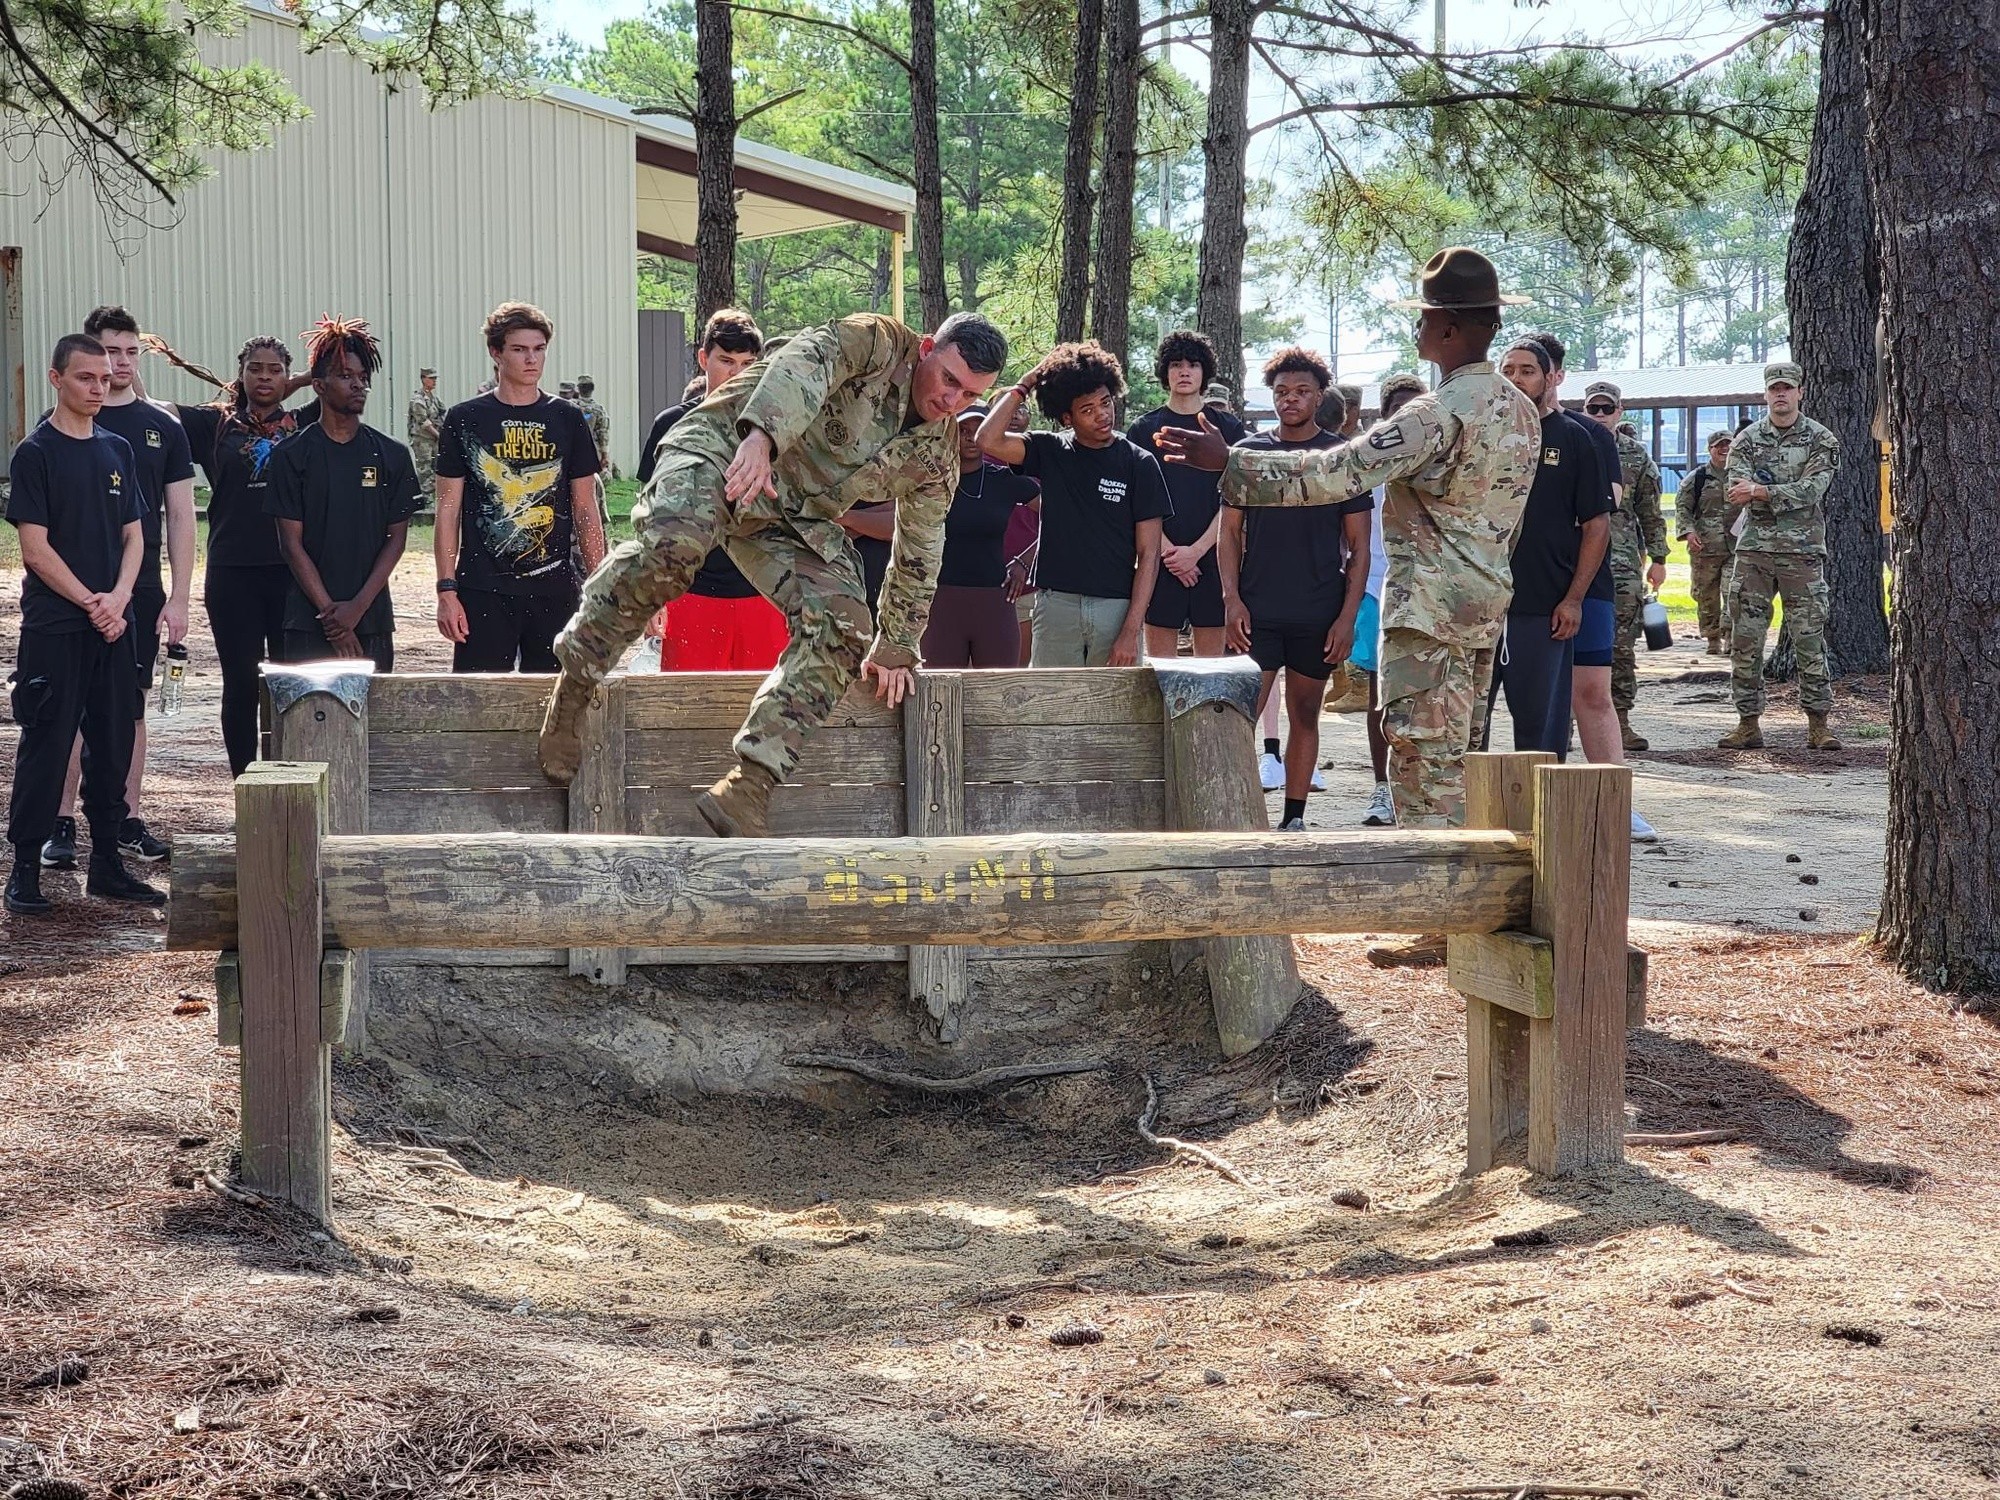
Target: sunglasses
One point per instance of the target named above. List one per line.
(1600, 409)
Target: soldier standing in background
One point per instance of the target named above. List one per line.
(426, 420)
(1780, 467)
(600, 432)
(1702, 516)
(1638, 532)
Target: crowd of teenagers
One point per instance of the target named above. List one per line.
(1073, 544)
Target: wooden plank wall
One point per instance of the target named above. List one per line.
(1060, 750)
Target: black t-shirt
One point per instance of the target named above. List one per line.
(1196, 493)
(1609, 472)
(874, 557)
(1093, 500)
(718, 577)
(515, 520)
(975, 529)
(662, 425)
(347, 495)
(83, 490)
(1294, 569)
(235, 453)
(160, 457)
(1568, 490)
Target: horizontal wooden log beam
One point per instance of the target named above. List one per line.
(499, 891)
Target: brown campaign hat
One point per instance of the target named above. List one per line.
(1459, 280)
(1783, 372)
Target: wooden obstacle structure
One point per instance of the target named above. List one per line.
(1534, 892)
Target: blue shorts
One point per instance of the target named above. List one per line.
(1595, 637)
(1365, 653)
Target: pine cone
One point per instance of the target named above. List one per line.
(48, 1489)
(1073, 1335)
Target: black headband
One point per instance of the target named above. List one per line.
(1541, 354)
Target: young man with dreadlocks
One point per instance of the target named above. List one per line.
(234, 438)
(342, 495)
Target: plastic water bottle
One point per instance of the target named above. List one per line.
(172, 679)
(1659, 635)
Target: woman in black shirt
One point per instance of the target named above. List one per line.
(972, 621)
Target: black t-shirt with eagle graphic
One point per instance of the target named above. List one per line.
(515, 521)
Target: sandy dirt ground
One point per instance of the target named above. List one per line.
(538, 1288)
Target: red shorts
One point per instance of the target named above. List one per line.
(722, 635)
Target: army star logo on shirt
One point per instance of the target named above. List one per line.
(152, 438)
(368, 477)
(1552, 457)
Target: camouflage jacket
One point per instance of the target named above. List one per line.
(425, 409)
(1457, 463)
(836, 403)
(1638, 528)
(600, 428)
(1702, 511)
(1797, 463)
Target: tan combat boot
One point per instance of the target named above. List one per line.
(1747, 735)
(1818, 735)
(1715, 646)
(561, 744)
(1631, 737)
(1409, 953)
(739, 805)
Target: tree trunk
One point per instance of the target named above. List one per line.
(1111, 293)
(1079, 197)
(933, 295)
(1224, 150)
(715, 159)
(1832, 291)
(1933, 69)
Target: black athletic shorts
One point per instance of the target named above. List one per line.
(509, 632)
(1297, 649)
(1175, 605)
(146, 608)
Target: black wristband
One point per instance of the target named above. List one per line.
(447, 585)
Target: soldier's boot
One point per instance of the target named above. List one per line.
(1715, 646)
(1633, 740)
(1818, 735)
(561, 745)
(739, 805)
(1411, 953)
(1747, 735)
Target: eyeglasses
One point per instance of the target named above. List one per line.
(1600, 409)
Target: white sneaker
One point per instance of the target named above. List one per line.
(1381, 809)
(1319, 780)
(1643, 832)
(1292, 825)
(1271, 771)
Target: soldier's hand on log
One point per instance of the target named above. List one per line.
(748, 476)
(451, 618)
(1206, 449)
(892, 684)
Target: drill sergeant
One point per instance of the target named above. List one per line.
(858, 409)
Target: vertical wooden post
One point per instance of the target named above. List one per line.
(934, 792)
(1211, 764)
(1583, 877)
(597, 805)
(287, 1083)
(319, 714)
(1499, 793)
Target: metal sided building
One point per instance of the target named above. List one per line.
(418, 220)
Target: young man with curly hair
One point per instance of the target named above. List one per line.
(1188, 593)
(1103, 498)
(1293, 580)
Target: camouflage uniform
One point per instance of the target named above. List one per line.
(600, 426)
(426, 420)
(1457, 463)
(1702, 511)
(834, 400)
(1638, 531)
(600, 434)
(1782, 553)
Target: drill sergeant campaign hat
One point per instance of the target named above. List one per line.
(1783, 372)
(1458, 280)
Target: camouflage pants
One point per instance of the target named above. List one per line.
(1432, 692)
(425, 460)
(1800, 580)
(1708, 570)
(1629, 595)
(677, 520)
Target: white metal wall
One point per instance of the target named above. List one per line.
(375, 207)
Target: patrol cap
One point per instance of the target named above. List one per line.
(584, 382)
(1219, 391)
(1604, 388)
(1349, 393)
(1783, 372)
(428, 372)
(1721, 435)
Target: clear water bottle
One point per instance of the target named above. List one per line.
(173, 678)
(1659, 635)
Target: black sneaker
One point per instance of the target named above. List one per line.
(112, 881)
(59, 853)
(136, 841)
(24, 892)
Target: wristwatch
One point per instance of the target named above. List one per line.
(447, 585)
